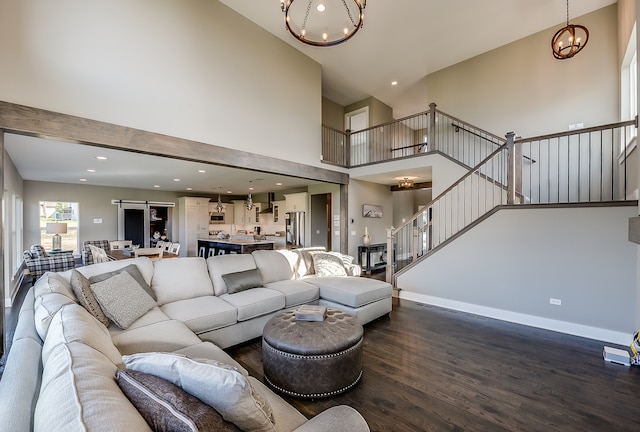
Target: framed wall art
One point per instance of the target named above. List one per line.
(372, 210)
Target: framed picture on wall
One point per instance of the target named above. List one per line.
(371, 210)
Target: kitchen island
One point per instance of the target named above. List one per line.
(210, 247)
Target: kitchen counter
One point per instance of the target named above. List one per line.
(220, 247)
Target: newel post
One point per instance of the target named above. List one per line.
(432, 128)
(347, 148)
(511, 168)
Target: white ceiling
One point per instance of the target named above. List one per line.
(401, 41)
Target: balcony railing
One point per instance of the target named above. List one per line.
(411, 136)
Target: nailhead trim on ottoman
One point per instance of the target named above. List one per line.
(312, 359)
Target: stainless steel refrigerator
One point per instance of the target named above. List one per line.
(295, 229)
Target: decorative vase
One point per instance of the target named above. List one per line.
(366, 238)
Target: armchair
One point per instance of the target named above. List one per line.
(38, 262)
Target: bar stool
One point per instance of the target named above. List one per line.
(201, 251)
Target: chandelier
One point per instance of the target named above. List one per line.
(328, 23)
(405, 183)
(568, 41)
(249, 203)
(219, 206)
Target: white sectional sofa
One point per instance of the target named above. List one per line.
(62, 368)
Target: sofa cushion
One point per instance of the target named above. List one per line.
(242, 280)
(255, 302)
(73, 323)
(296, 292)
(168, 336)
(82, 289)
(180, 279)
(273, 266)
(79, 393)
(328, 264)
(202, 314)
(351, 291)
(285, 416)
(153, 316)
(133, 270)
(166, 407)
(217, 384)
(222, 264)
(122, 299)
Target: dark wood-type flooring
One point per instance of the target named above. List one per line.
(431, 369)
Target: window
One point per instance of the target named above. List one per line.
(629, 93)
(65, 214)
(16, 230)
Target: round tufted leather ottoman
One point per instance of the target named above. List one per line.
(312, 359)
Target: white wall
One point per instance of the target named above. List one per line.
(361, 192)
(521, 87)
(193, 69)
(511, 264)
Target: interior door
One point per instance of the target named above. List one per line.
(134, 226)
(321, 220)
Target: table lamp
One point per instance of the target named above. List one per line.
(56, 228)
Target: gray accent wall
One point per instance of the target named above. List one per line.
(511, 265)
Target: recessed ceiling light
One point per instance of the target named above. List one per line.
(278, 184)
(201, 171)
(156, 186)
(91, 170)
(250, 188)
(320, 8)
(189, 189)
(229, 192)
(83, 180)
(176, 179)
(394, 83)
(101, 157)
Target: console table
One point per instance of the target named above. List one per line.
(364, 257)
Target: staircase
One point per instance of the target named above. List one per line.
(569, 168)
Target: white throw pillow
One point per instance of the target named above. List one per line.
(328, 264)
(217, 384)
(122, 299)
(99, 254)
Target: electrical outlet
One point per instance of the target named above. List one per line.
(556, 302)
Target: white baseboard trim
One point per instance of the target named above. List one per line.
(596, 333)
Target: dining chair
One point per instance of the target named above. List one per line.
(175, 248)
(120, 244)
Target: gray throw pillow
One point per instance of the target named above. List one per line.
(122, 299)
(134, 271)
(82, 289)
(243, 280)
(166, 407)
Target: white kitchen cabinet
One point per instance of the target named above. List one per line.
(296, 202)
(279, 208)
(242, 216)
(194, 223)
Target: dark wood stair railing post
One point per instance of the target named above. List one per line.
(432, 128)
(511, 169)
